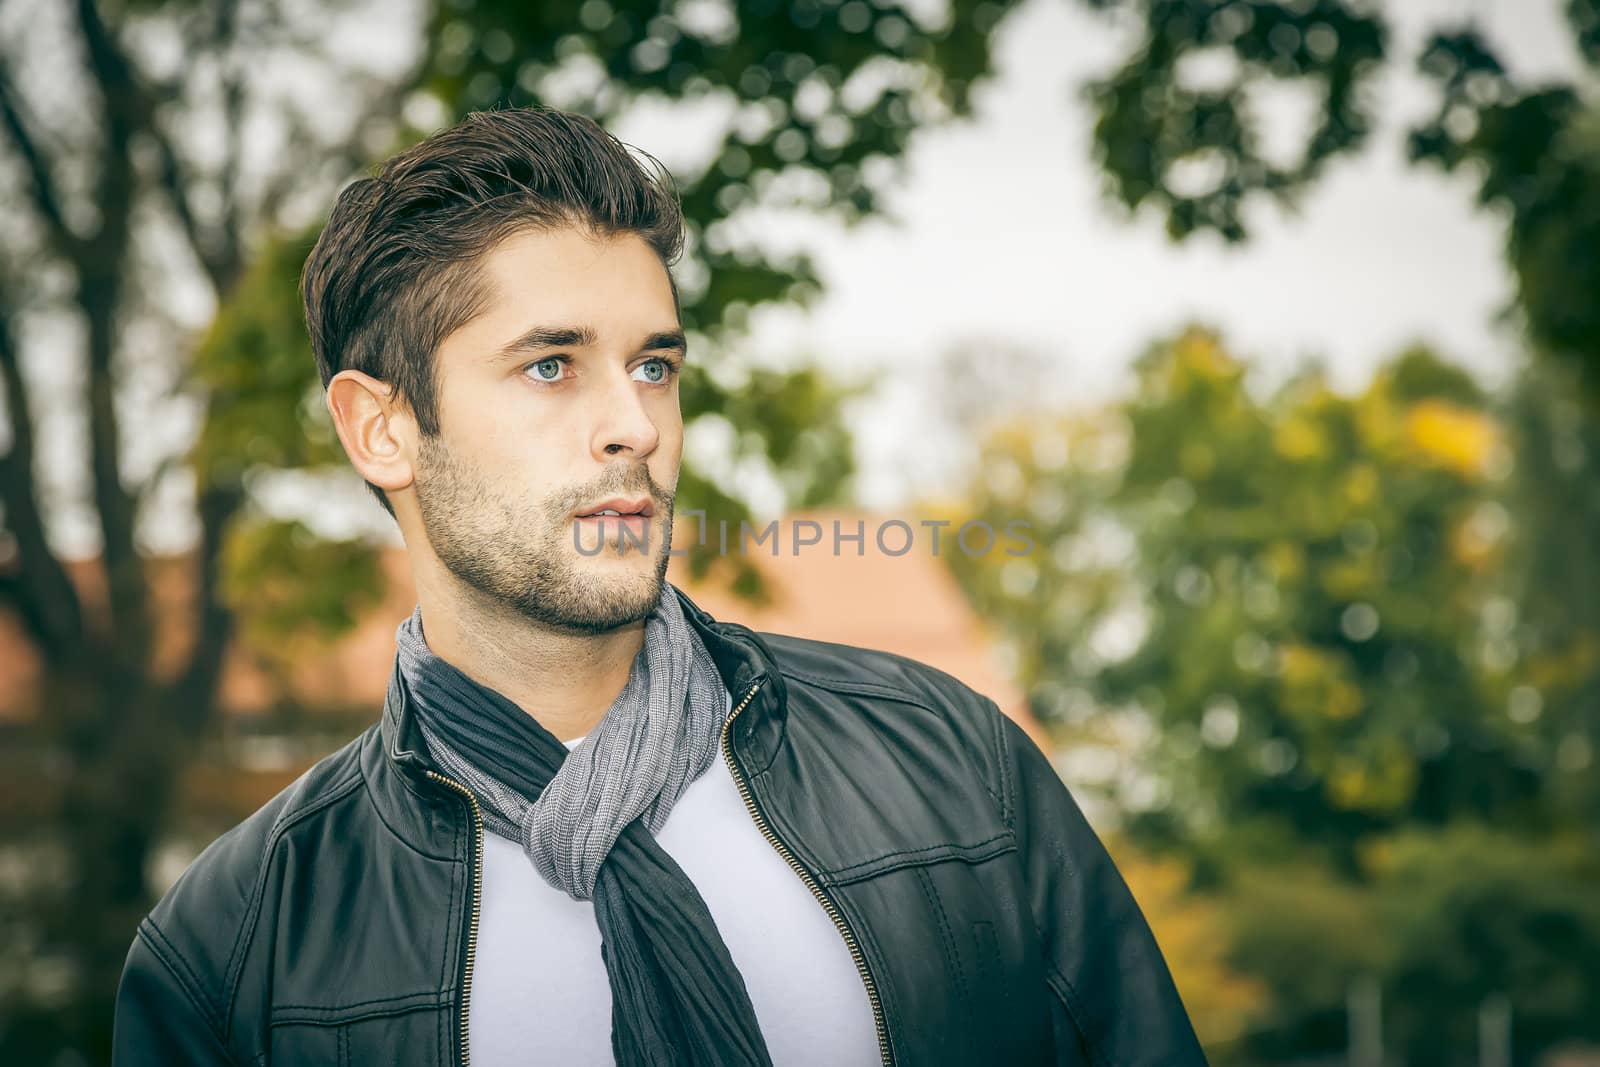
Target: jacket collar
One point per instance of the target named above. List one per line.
(743, 659)
(741, 656)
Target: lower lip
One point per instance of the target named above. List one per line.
(635, 524)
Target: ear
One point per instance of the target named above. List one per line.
(378, 432)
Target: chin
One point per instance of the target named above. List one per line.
(623, 600)
(622, 573)
(631, 584)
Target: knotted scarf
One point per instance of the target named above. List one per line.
(587, 819)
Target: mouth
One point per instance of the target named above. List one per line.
(618, 507)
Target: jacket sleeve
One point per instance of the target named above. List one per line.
(1113, 998)
(158, 1020)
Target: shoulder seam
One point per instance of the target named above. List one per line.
(1002, 753)
(903, 697)
(907, 695)
(840, 685)
(335, 792)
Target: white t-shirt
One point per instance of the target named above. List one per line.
(539, 987)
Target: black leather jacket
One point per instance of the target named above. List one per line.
(337, 924)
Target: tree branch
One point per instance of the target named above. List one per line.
(385, 98)
(195, 690)
(230, 255)
(44, 595)
(221, 270)
(100, 286)
(46, 198)
(219, 251)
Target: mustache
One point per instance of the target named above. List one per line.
(632, 482)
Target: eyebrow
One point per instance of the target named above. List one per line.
(542, 337)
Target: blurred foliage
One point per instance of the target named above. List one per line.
(1444, 921)
(291, 591)
(255, 364)
(790, 417)
(1554, 570)
(1284, 586)
(819, 91)
(1308, 938)
(1180, 128)
(1475, 912)
(1315, 643)
(1185, 136)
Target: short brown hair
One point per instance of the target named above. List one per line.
(395, 270)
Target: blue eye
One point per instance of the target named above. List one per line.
(664, 369)
(550, 362)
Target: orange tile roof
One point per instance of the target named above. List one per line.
(908, 604)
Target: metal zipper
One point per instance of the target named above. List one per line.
(477, 885)
(805, 876)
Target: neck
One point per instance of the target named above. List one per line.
(566, 681)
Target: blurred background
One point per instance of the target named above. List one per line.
(1274, 320)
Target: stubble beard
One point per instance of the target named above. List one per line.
(521, 553)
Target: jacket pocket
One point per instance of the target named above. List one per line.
(420, 1036)
(985, 849)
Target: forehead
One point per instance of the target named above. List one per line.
(554, 275)
(617, 286)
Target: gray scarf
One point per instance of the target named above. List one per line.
(660, 734)
(587, 819)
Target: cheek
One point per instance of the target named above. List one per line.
(513, 428)
(669, 431)
(478, 420)
(511, 460)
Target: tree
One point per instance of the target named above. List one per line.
(1178, 132)
(1284, 587)
(1477, 913)
(1275, 626)
(1554, 498)
(1189, 149)
(151, 151)
(97, 175)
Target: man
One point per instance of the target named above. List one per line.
(593, 823)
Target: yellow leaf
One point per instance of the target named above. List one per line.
(1299, 439)
(1455, 437)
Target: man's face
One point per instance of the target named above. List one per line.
(561, 396)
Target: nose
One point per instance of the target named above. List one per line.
(622, 424)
